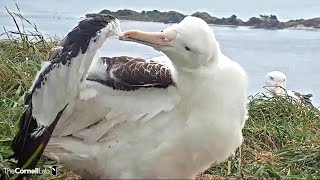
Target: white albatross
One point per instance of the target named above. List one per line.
(275, 82)
(137, 118)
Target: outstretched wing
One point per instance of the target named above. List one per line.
(57, 84)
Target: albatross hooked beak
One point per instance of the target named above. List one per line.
(153, 39)
(278, 90)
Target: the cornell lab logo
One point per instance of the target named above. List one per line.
(54, 170)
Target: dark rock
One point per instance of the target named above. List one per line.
(263, 21)
(205, 16)
(253, 21)
(311, 23)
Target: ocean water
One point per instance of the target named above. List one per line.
(294, 52)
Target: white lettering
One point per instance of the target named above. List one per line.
(28, 171)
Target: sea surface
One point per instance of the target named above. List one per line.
(294, 52)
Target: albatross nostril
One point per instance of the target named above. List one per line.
(164, 39)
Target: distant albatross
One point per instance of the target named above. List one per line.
(276, 85)
(135, 118)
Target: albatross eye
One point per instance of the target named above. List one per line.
(271, 77)
(187, 48)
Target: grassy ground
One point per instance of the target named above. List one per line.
(282, 137)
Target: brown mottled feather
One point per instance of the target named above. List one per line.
(127, 73)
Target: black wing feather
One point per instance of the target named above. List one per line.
(28, 149)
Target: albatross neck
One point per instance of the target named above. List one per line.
(211, 63)
(187, 78)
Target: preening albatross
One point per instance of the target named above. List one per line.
(276, 86)
(136, 118)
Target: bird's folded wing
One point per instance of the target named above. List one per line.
(131, 89)
(304, 97)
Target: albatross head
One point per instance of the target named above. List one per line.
(276, 82)
(189, 44)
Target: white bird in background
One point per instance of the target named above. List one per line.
(276, 86)
(136, 118)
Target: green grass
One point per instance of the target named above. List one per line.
(18, 66)
(282, 141)
(281, 137)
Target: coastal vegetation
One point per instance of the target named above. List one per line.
(263, 21)
(281, 136)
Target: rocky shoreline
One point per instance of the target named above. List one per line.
(263, 21)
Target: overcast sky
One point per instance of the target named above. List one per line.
(284, 9)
